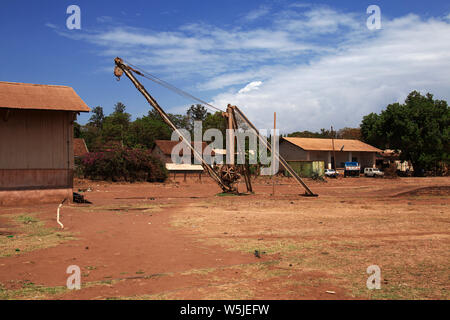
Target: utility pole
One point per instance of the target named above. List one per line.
(274, 136)
(334, 153)
(231, 137)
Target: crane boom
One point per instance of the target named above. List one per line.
(121, 68)
(227, 171)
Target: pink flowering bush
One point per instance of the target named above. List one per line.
(123, 165)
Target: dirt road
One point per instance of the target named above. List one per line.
(183, 241)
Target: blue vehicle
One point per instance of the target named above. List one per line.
(352, 169)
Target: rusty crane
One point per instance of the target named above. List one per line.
(227, 175)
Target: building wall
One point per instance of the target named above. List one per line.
(367, 159)
(307, 169)
(36, 149)
(291, 153)
(157, 152)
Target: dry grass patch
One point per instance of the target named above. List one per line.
(30, 291)
(140, 208)
(408, 239)
(31, 234)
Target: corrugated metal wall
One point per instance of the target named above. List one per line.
(36, 149)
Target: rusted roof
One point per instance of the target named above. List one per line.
(317, 144)
(41, 97)
(390, 154)
(79, 147)
(166, 146)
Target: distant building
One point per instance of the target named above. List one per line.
(79, 148)
(390, 157)
(316, 149)
(163, 151)
(36, 142)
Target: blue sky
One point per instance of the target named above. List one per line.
(315, 63)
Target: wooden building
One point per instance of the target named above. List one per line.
(79, 148)
(316, 149)
(36, 142)
(163, 150)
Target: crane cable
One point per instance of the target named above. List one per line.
(171, 87)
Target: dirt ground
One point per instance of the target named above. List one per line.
(184, 240)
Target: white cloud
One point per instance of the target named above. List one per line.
(320, 20)
(51, 25)
(316, 66)
(211, 51)
(338, 89)
(104, 19)
(257, 13)
(254, 85)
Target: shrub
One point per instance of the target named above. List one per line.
(123, 164)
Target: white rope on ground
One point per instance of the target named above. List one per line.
(57, 213)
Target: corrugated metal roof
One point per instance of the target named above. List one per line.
(317, 144)
(166, 146)
(41, 97)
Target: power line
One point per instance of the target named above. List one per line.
(171, 87)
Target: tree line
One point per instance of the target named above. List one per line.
(419, 128)
(101, 130)
(117, 128)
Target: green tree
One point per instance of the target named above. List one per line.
(153, 115)
(349, 133)
(371, 131)
(92, 137)
(216, 121)
(115, 126)
(324, 133)
(97, 117)
(419, 128)
(144, 131)
(180, 121)
(119, 107)
(196, 113)
(76, 130)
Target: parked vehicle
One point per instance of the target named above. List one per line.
(352, 169)
(331, 173)
(373, 172)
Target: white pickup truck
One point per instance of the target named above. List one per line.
(373, 172)
(331, 173)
